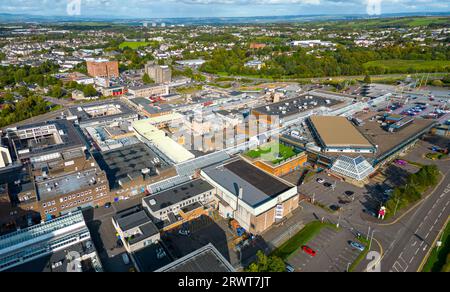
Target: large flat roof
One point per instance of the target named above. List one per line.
(92, 112)
(299, 104)
(338, 132)
(258, 186)
(67, 184)
(66, 131)
(127, 163)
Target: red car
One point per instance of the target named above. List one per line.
(309, 251)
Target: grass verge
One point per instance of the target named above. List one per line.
(438, 261)
(361, 256)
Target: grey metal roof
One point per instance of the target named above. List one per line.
(206, 259)
(178, 194)
(133, 220)
(127, 163)
(258, 186)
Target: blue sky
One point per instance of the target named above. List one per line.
(217, 8)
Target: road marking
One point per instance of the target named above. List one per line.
(414, 244)
(417, 251)
(425, 247)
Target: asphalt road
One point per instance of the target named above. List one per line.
(418, 232)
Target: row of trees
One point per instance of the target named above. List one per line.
(40, 75)
(416, 185)
(301, 63)
(24, 109)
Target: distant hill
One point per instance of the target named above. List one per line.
(25, 18)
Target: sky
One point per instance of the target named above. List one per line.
(216, 8)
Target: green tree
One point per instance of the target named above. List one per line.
(446, 79)
(437, 83)
(266, 264)
(89, 91)
(147, 80)
(367, 79)
(56, 91)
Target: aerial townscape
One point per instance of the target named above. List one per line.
(214, 143)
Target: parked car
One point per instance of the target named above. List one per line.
(328, 185)
(309, 251)
(349, 193)
(126, 259)
(289, 268)
(335, 208)
(320, 180)
(108, 205)
(357, 246)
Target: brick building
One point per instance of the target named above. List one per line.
(103, 68)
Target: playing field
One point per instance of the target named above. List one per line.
(407, 65)
(133, 45)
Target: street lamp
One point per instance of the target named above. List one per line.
(396, 206)
(371, 239)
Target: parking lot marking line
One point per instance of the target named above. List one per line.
(417, 251)
(398, 264)
(403, 260)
